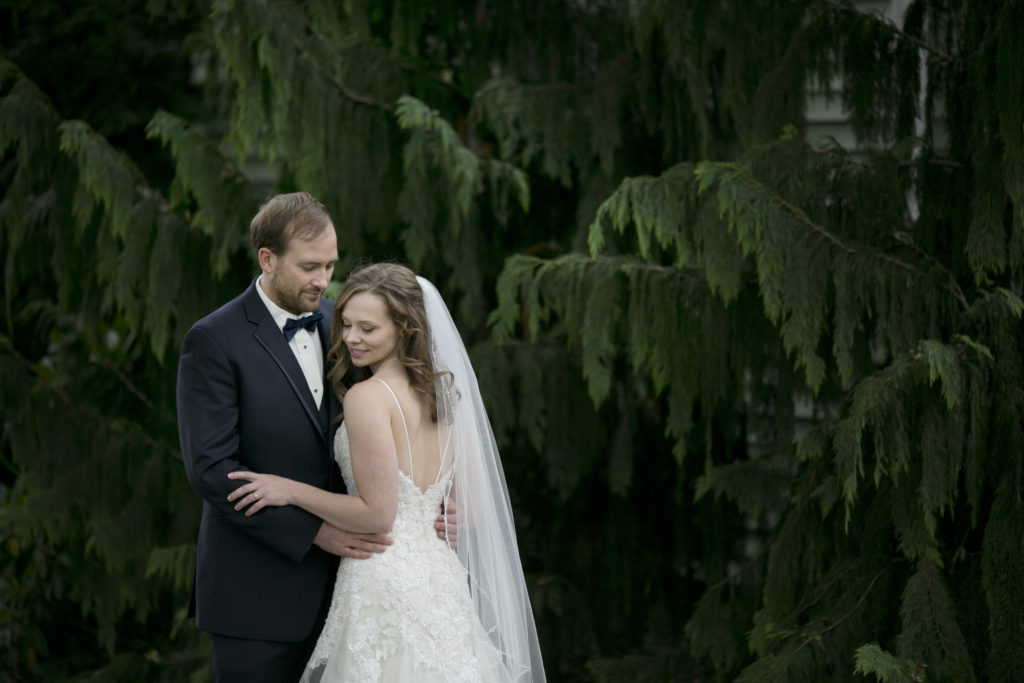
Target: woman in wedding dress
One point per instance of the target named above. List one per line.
(415, 434)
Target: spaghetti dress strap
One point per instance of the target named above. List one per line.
(408, 442)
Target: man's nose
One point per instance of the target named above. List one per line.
(321, 278)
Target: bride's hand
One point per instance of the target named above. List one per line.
(261, 491)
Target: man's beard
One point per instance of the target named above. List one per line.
(294, 301)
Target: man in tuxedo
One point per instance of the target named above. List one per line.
(251, 394)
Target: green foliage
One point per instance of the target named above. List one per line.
(1001, 564)
(440, 209)
(220, 190)
(588, 294)
(650, 258)
(930, 632)
(96, 293)
(871, 659)
(754, 486)
(889, 327)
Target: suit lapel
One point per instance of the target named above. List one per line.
(324, 328)
(268, 335)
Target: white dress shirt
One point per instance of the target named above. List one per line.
(305, 345)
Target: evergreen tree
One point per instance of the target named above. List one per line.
(758, 396)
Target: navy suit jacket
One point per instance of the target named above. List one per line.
(243, 403)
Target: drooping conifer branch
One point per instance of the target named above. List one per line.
(936, 53)
(345, 91)
(99, 162)
(92, 412)
(872, 659)
(853, 610)
(951, 285)
(820, 593)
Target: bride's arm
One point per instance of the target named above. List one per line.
(374, 466)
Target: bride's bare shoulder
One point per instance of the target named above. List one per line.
(366, 394)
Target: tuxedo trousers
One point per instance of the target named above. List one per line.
(241, 660)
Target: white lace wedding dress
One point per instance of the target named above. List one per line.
(404, 614)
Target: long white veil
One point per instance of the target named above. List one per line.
(486, 531)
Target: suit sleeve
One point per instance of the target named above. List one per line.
(208, 426)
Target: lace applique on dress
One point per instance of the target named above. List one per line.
(404, 614)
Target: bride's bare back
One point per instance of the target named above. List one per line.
(424, 464)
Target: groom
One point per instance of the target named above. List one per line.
(252, 395)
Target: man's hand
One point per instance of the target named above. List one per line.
(348, 544)
(447, 523)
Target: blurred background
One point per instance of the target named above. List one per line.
(741, 280)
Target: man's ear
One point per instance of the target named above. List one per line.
(267, 260)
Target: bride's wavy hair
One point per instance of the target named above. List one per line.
(396, 285)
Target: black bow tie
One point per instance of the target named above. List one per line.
(293, 324)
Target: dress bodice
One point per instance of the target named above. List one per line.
(404, 615)
(416, 509)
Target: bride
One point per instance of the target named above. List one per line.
(415, 434)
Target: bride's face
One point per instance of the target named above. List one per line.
(368, 331)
